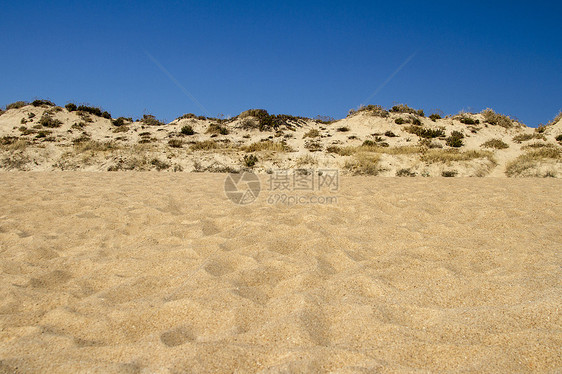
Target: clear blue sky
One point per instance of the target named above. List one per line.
(302, 58)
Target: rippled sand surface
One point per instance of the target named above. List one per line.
(132, 272)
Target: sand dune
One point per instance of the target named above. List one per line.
(160, 272)
(373, 141)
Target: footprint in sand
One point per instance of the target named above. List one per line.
(49, 280)
(177, 336)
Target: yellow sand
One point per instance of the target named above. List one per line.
(125, 272)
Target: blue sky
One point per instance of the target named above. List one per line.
(304, 58)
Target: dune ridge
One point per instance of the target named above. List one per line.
(397, 142)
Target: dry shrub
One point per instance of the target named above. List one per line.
(205, 145)
(94, 146)
(453, 155)
(313, 133)
(530, 160)
(495, 143)
(497, 119)
(267, 146)
(524, 137)
(364, 164)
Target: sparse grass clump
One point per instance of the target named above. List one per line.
(559, 138)
(48, 121)
(524, 137)
(455, 139)
(150, 120)
(187, 130)
(425, 133)
(539, 145)
(313, 133)
(390, 134)
(266, 146)
(495, 143)
(556, 119)
(16, 105)
(215, 128)
(524, 163)
(326, 120)
(400, 121)
(429, 143)
(342, 129)
(497, 119)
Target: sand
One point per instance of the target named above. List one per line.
(160, 272)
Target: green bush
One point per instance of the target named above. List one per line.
(215, 128)
(400, 121)
(434, 117)
(390, 134)
(559, 138)
(159, 165)
(405, 173)
(469, 121)
(120, 121)
(268, 121)
(187, 130)
(150, 120)
(455, 140)
(188, 116)
(42, 103)
(250, 160)
(425, 133)
(71, 107)
(17, 105)
(342, 129)
(403, 108)
(175, 143)
(94, 111)
(449, 173)
(48, 121)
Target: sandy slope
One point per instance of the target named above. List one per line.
(92, 143)
(124, 272)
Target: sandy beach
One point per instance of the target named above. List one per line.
(160, 272)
